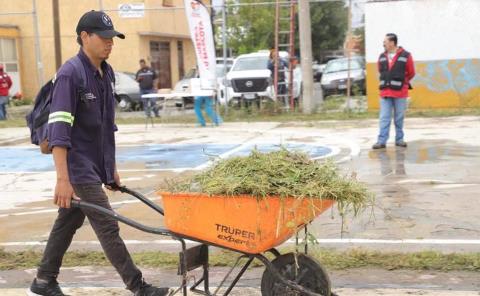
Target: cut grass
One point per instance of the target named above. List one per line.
(331, 259)
(281, 173)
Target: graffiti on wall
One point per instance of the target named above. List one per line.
(460, 76)
(437, 84)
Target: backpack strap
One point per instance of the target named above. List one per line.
(80, 70)
(110, 74)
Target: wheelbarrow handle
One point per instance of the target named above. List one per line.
(86, 205)
(139, 196)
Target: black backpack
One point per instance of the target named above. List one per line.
(37, 119)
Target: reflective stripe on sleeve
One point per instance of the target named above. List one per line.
(61, 116)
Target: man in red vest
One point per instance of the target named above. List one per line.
(5, 84)
(396, 69)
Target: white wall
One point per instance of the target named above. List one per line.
(429, 29)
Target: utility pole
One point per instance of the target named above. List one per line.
(349, 54)
(100, 5)
(212, 21)
(38, 54)
(305, 28)
(224, 41)
(56, 35)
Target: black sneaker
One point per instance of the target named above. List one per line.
(379, 146)
(401, 144)
(44, 288)
(149, 290)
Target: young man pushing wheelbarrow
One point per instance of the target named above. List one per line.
(81, 137)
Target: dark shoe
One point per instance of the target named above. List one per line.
(45, 288)
(149, 290)
(401, 144)
(379, 146)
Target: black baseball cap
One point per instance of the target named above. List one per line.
(98, 22)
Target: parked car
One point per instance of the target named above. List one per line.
(250, 79)
(229, 61)
(183, 84)
(127, 92)
(186, 85)
(221, 79)
(335, 76)
(318, 68)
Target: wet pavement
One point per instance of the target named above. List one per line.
(428, 191)
(426, 195)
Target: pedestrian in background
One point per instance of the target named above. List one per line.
(281, 70)
(5, 85)
(396, 69)
(145, 78)
(207, 102)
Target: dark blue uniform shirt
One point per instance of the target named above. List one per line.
(82, 120)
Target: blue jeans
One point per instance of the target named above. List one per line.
(207, 101)
(3, 107)
(149, 104)
(398, 106)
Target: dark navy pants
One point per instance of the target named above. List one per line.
(106, 229)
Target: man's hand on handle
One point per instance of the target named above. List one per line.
(64, 194)
(63, 189)
(117, 183)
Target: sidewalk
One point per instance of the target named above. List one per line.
(101, 281)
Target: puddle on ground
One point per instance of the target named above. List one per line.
(426, 151)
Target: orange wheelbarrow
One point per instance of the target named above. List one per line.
(249, 226)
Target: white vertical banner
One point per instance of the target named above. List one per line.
(201, 32)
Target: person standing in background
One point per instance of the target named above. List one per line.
(145, 78)
(5, 85)
(281, 70)
(207, 102)
(396, 69)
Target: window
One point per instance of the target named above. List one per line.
(160, 55)
(154, 46)
(11, 67)
(181, 66)
(8, 54)
(8, 50)
(251, 63)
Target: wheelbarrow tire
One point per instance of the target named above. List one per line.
(311, 276)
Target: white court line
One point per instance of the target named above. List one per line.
(245, 144)
(338, 241)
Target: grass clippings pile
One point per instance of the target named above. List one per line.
(281, 173)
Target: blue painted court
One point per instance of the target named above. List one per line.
(160, 156)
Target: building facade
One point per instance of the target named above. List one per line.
(444, 40)
(158, 33)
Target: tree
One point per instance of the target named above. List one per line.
(251, 27)
(329, 26)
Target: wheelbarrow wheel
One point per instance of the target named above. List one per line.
(309, 274)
